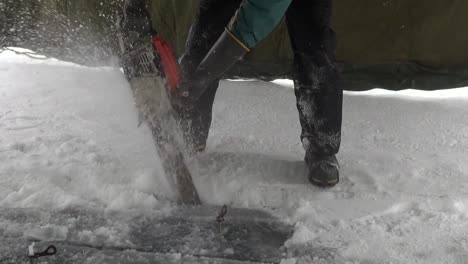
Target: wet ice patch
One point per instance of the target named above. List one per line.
(48, 232)
(103, 236)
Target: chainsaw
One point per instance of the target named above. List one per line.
(150, 66)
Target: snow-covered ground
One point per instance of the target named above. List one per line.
(69, 139)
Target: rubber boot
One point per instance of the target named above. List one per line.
(201, 85)
(324, 171)
(221, 57)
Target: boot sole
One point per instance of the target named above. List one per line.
(324, 184)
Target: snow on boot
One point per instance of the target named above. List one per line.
(324, 171)
(194, 128)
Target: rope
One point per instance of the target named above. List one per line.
(50, 251)
(220, 218)
(32, 254)
(222, 214)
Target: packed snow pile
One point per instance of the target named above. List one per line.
(69, 138)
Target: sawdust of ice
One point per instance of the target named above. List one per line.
(68, 138)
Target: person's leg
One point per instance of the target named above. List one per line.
(211, 19)
(318, 88)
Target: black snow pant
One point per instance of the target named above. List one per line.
(317, 87)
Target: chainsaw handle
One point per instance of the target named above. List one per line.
(168, 62)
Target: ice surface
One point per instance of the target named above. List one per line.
(69, 139)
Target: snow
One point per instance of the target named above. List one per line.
(69, 139)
